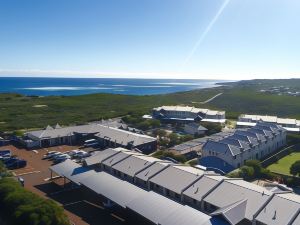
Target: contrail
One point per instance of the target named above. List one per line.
(206, 31)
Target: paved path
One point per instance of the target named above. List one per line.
(210, 99)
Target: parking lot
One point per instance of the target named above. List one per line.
(80, 208)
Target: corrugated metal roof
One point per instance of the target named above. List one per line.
(118, 157)
(202, 187)
(118, 191)
(189, 216)
(153, 206)
(297, 220)
(119, 136)
(280, 210)
(123, 137)
(189, 109)
(152, 170)
(175, 179)
(100, 156)
(231, 191)
(134, 164)
(72, 171)
(233, 213)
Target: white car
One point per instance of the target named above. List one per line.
(72, 152)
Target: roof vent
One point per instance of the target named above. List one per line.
(274, 217)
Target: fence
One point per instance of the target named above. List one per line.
(284, 152)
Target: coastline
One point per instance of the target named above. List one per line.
(32, 86)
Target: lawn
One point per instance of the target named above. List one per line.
(283, 165)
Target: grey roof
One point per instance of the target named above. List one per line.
(189, 216)
(245, 138)
(297, 220)
(118, 157)
(119, 136)
(280, 210)
(185, 146)
(233, 213)
(232, 140)
(100, 156)
(118, 191)
(176, 178)
(153, 206)
(134, 164)
(266, 133)
(123, 137)
(152, 170)
(274, 130)
(251, 134)
(196, 126)
(65, 131)
(222, 148)
(201, 141)
(72, 171)
(232, 191)
(206, 183)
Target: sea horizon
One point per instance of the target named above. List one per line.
(49, 86)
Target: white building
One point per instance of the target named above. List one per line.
(291, 125)
(233, 151)
(188, 114)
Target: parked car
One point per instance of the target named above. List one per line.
(72, 152)
(10, 160)
(48, 155)
(62, 158)
(19, 163)
(90, 143)
(57, 156)
(4, 158)
(52, 156)
(81, 154)
(5, 153)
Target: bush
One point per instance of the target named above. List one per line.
(255, 164)
(295, 168)
(163, 154)
(3, 171)
(247, 172)
(212, 128)
(193, 162)
(19, 206)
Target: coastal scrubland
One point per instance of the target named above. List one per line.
(21, 112)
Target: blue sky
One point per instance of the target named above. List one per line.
(222, 39)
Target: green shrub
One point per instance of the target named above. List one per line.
(247, 172)
(19, 206)
(161, 154)
(295, 168)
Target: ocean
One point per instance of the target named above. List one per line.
(81, 86)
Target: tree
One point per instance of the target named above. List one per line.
(173, 139)
(295, 168)
(160, 133)
(19, 206)
(255, 164)
(247, 172)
